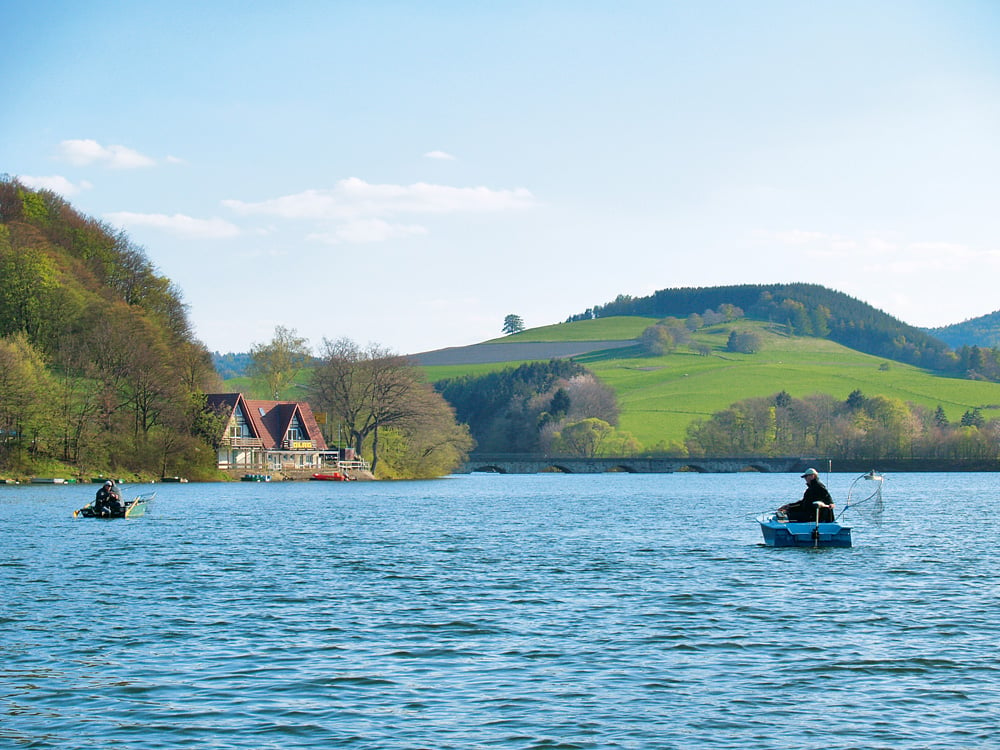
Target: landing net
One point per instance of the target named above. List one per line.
(869, 506)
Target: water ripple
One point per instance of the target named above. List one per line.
(495, 612)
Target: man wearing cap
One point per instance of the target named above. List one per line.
(108, 501)
(816, 495)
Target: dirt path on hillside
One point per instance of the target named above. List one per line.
(481, 354)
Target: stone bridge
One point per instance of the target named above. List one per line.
(527, 464)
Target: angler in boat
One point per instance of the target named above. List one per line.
(793, 526)
(109, 504)
(816, 497)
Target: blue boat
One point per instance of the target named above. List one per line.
(778, 531)
(781, 533)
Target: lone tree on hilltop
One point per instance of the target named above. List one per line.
(513, 324)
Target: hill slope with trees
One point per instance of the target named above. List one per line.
(99, 370)
(983, 332)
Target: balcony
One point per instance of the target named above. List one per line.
(242, 442)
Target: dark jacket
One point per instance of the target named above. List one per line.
(108, 501)
(804, 510)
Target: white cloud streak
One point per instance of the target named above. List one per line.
(355, 199)
(178, 224)
(82, 153)
(366, 231)
(444, 155)
(889, 256)
(55, 183)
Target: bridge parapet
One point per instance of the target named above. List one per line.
(525, 464)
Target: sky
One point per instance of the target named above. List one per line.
(410, 173)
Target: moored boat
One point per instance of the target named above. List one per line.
(133, 508)
(334, 477)
(255, 478)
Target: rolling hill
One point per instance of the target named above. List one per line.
(661, 395)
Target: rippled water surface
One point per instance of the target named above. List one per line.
(488, 611)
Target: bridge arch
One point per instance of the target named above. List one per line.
(488, 469)
(693, 468)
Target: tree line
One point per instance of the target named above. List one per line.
(858, 427)
(556, 407)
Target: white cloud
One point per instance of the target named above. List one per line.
(439, 155)
(55, 183)
(82, 153)
(881, 255)
(365, 231)
(353, 199)
(178, 224)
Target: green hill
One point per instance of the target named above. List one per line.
(661, 395)
(99, 369)
(983, 331)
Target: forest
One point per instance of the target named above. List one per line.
(98, 365)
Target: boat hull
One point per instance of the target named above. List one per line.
(786, 534)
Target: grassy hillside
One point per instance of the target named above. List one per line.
(661, 396)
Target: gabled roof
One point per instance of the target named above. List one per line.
(269, 420)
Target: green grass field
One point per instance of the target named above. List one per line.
(661, 396)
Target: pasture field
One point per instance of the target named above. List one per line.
(661, 396)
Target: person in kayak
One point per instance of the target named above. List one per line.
(108, 501)
(804, 510)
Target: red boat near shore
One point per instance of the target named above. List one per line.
(334, 477)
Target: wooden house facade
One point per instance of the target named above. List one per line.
(269, 435)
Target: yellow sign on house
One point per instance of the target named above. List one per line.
(320, 417)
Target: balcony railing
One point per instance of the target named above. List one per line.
(242, 442)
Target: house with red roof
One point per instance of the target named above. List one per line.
(269, 435)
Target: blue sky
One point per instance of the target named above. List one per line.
(410, 173)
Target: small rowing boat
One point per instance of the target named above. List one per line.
(778, 531)
(133, 508)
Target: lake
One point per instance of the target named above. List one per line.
(499, 611)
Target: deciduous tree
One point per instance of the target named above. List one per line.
(373, 389)
(277, 362)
